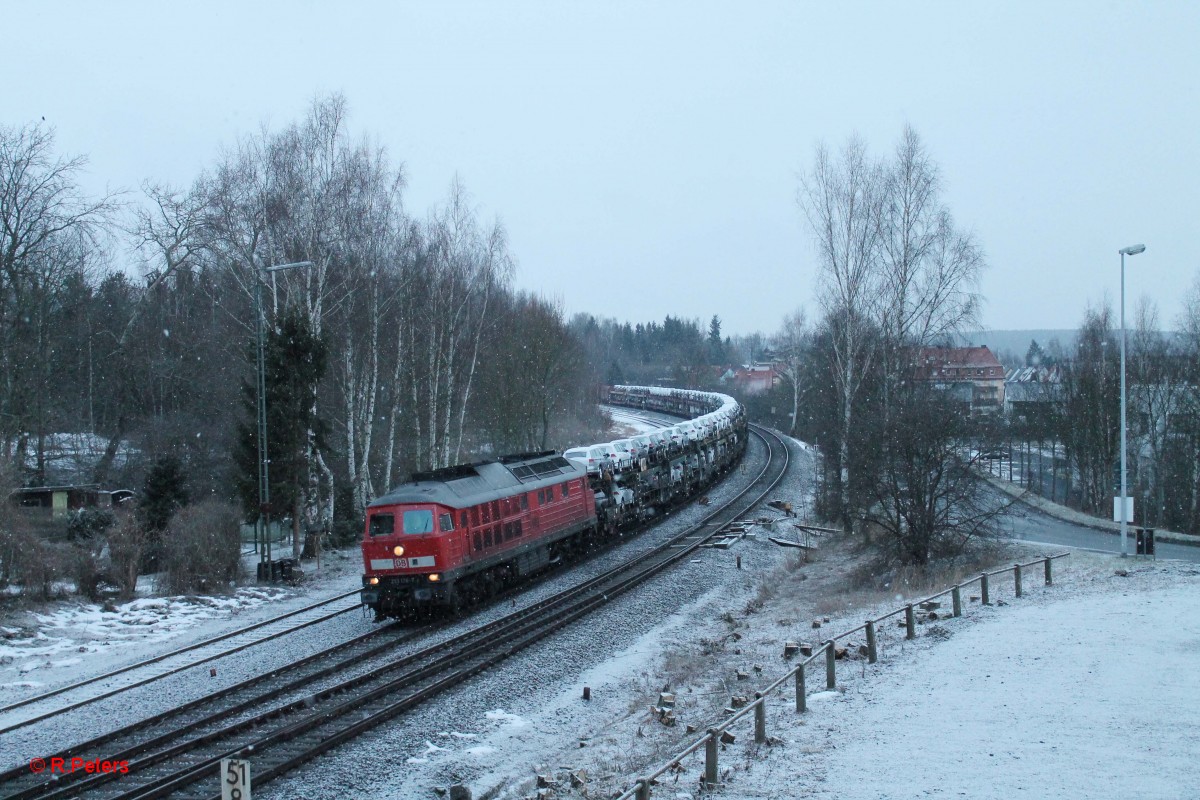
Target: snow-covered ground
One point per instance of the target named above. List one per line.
(47, 646)
(63, 637)
(1083, 689)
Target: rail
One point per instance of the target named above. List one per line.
(421, 675)
(164, 656)
(716, 735)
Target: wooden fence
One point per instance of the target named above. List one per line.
(714, 736)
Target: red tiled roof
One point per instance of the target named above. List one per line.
(959, 356)
(958, 363)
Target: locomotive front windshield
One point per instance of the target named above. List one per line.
(418, 521)
(383, 524)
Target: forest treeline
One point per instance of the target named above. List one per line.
(403, 346)
(128, 329)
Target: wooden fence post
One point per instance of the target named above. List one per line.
(910, 622)
(801, 691)
(710, 758)
(760, 718)
(830, 668)
(1017, 579)
(1049, 577)
(643, 789)
(956, 596)
(872, 653)
(983, 589)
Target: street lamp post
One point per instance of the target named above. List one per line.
(1132, 250)
(264, 483)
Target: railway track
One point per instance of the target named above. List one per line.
(283, 723)
(152, 669)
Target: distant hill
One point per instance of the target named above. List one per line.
(1016, 343)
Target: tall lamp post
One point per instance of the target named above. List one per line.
(264, 483)
(1132, 250)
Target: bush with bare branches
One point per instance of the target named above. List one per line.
(201, 551)
(127, 544)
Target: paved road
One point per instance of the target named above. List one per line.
(1029, 524)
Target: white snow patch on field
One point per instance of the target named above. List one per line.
(507, 719)
(1092, 695)
(57, 638)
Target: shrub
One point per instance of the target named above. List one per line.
(202, 549)
(87, 568)
(26, 559)
(127, 543)
(87, 523)
(31, 563)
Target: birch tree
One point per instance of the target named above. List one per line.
(1091, 422)
(463, 267)
(840, 202)
(1187, 441)
(1156, 396)
(791, 345)
(929, 270)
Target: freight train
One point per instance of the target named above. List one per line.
(454, 537)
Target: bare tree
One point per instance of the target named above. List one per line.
(840, 201)
(791, 345)
(1091, 418)
(1187, 426)
(928, 270)
(928, 501)
(1156, 394)
(463, 267)
(170, 232)
(48, 229)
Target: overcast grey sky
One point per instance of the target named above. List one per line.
(644, 157)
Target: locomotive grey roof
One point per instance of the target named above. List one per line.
(470, 484)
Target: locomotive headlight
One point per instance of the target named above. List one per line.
(398, 550)
(374, 581)
(434, 577)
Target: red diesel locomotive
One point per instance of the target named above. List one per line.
(455, 535)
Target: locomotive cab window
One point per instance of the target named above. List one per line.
(383, 524)
(524, 502)
(418, 521)
(566, 489)
(446, 522)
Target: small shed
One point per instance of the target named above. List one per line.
(58, 500)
